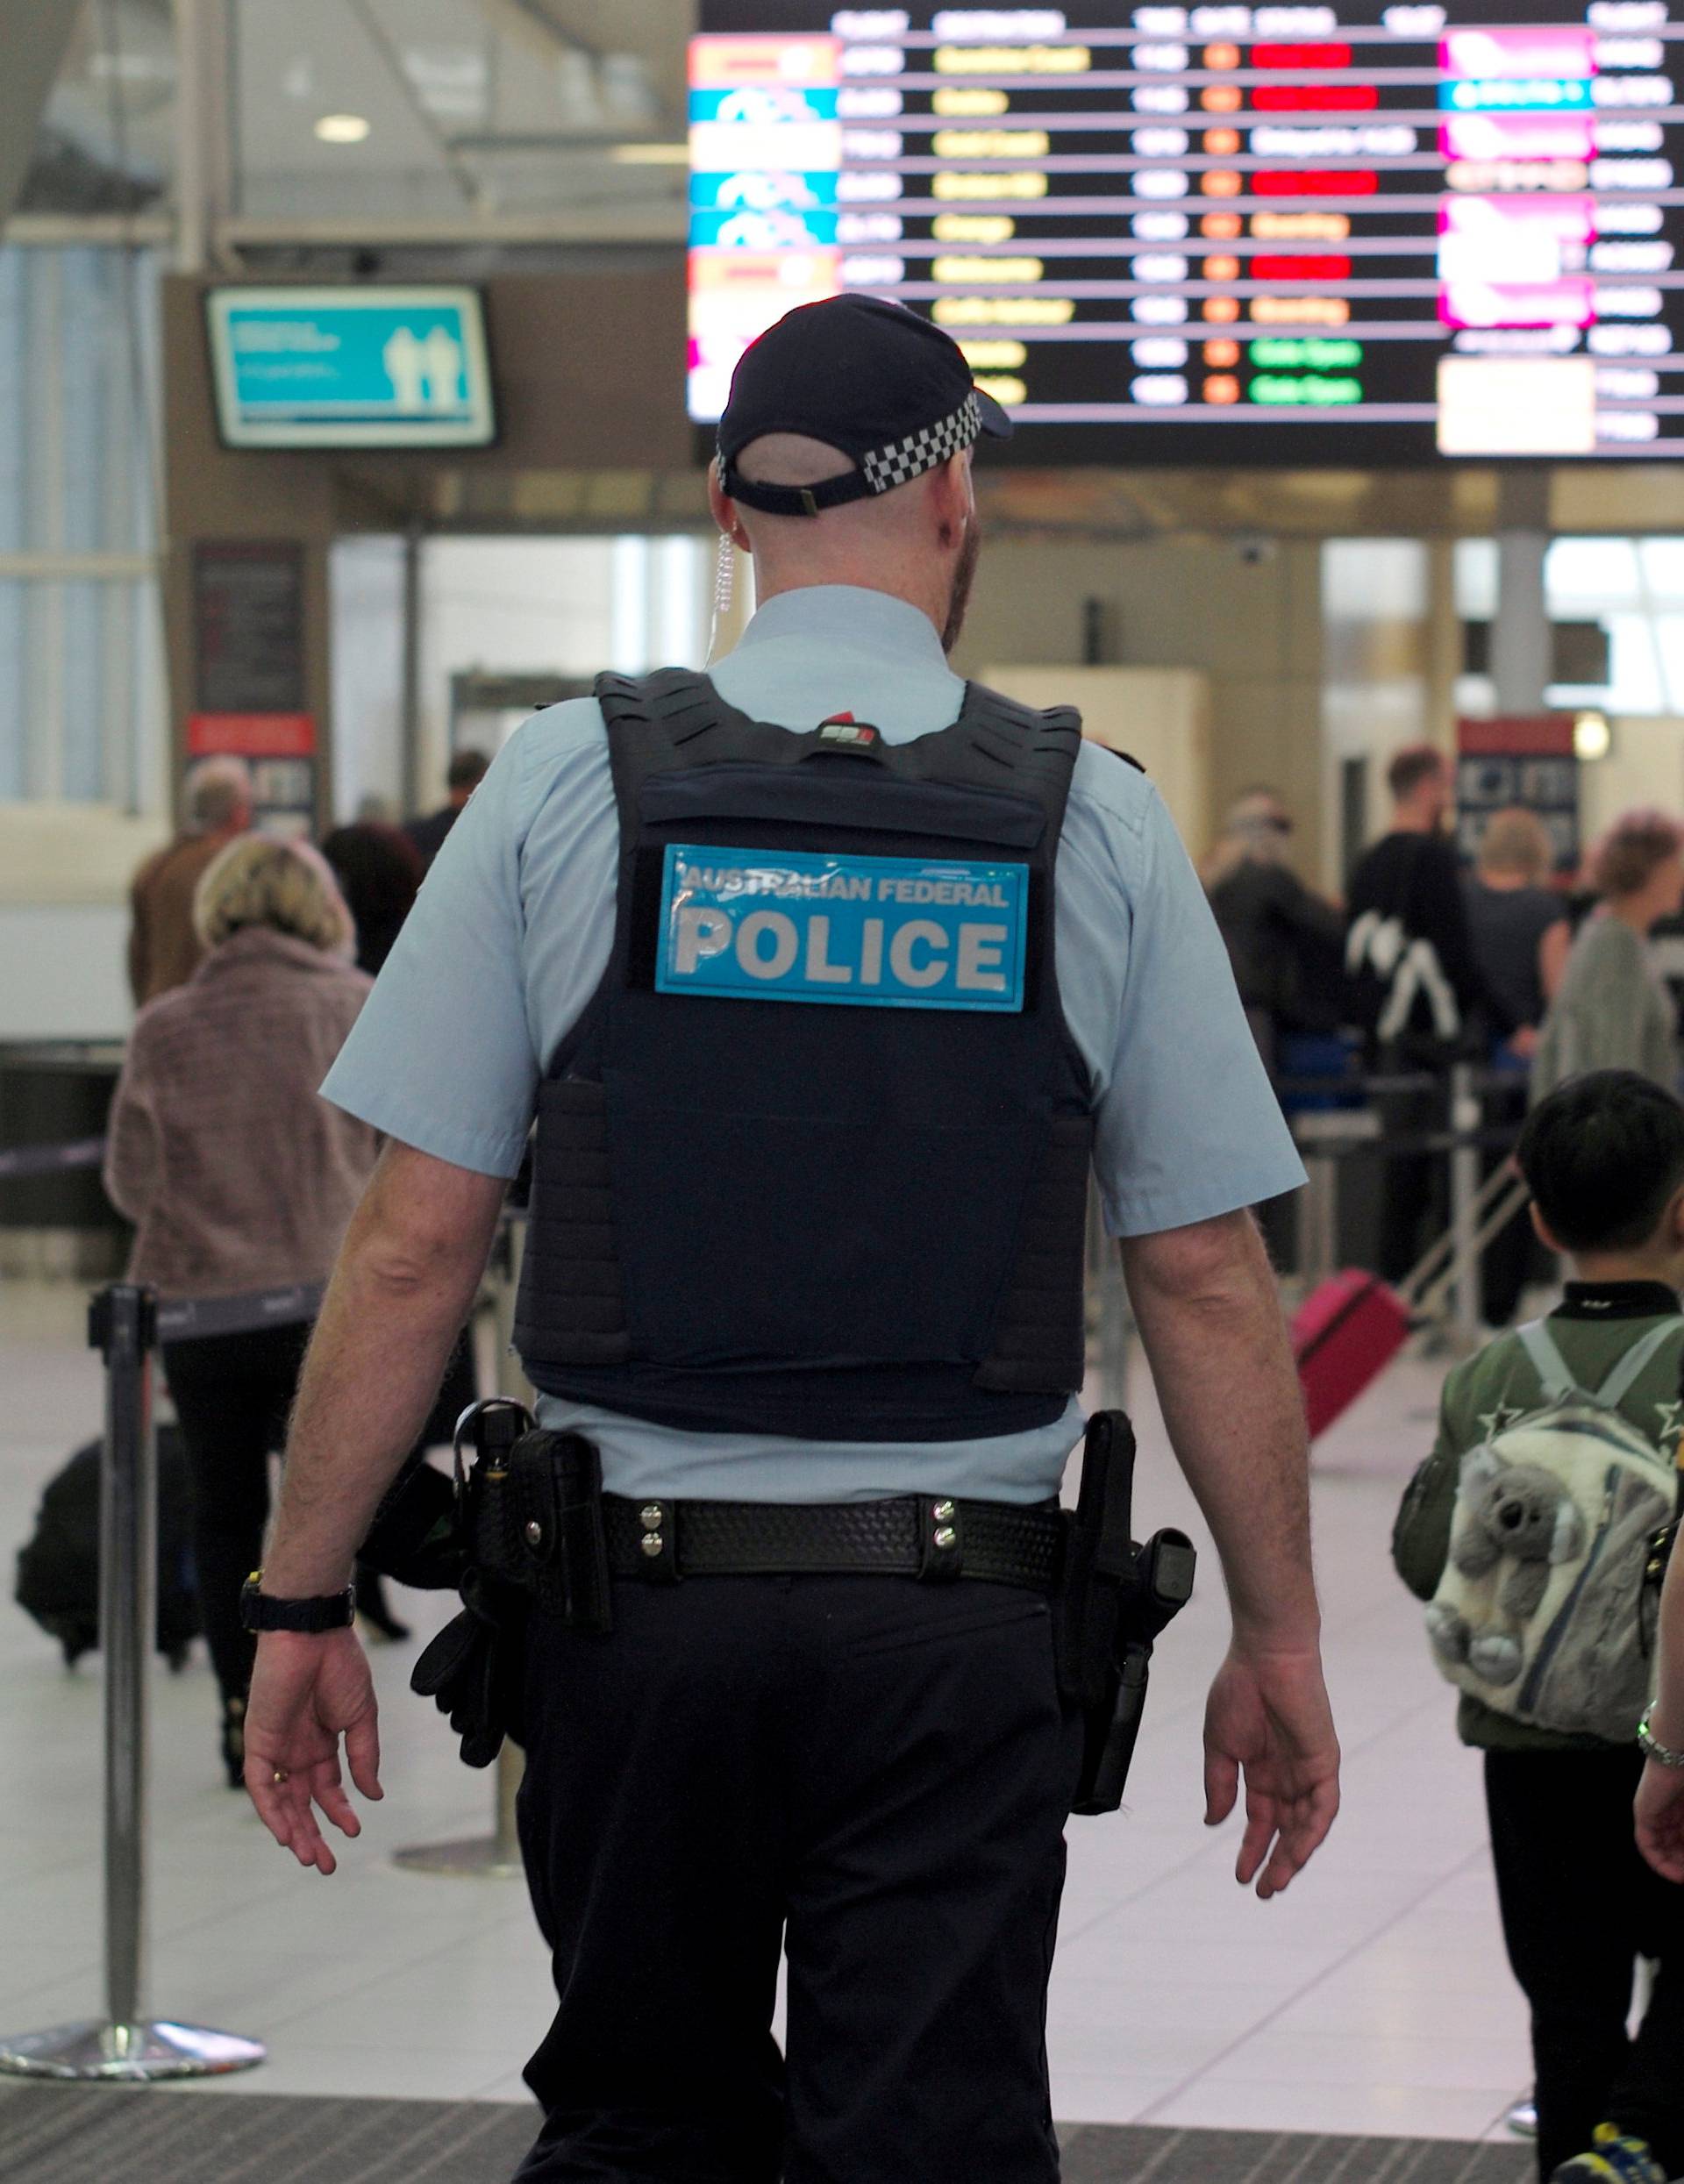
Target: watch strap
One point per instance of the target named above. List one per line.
(1650, 1745)
(324, 1611)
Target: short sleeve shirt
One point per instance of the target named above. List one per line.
(510, 936)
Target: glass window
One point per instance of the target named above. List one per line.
(1582, 574)
(1662, 563)
(82, 701)
(1474, 567)
(106, 140)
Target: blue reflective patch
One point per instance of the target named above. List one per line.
(875, 932)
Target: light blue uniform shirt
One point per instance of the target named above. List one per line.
(510, 936)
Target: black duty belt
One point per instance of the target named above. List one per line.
(1002, 1542)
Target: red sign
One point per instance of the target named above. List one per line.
(252, 735)
(1516, 735)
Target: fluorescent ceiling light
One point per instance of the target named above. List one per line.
(342, 128)
(650, 154)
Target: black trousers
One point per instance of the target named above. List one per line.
(1579, 1907)
(875, 1773)
(232, 1395)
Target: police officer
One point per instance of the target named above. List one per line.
(828, 979)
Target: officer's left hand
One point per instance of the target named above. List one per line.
(1660, 1819)
(1268, 1717)
(308, 1692)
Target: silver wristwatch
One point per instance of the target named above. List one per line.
(1650, 1745)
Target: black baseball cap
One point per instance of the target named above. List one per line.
(885, 387)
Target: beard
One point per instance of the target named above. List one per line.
(964, 573)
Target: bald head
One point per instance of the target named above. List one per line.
(218, 795)
(918, 541)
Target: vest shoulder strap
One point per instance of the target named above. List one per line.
(675, 718)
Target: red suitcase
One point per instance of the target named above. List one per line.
(1350, 1327)
(1343, 1335)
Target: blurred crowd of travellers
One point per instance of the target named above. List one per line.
(251, 957)
(1538, 974)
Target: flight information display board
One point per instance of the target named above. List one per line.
(1358, 233)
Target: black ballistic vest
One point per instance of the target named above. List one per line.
(838, 1223)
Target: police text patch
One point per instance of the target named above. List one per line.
(883, 932)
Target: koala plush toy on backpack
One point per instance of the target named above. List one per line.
(1537, 1613)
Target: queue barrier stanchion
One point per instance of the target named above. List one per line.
(1445, 1284)
(1321, 1137)
(497, 1856)
(125, 2043)
(1465, 1116)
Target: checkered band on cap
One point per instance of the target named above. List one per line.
(886, 468)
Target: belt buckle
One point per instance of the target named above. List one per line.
(941, 1541)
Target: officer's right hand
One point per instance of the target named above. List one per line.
(1268, 1719)
(308, 1692)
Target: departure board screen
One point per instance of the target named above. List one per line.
(1347, 233)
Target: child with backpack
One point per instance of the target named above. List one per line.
(1526, 1531)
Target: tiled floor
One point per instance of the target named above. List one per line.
(1371, 1998)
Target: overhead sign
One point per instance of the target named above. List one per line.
(350, 368)
(1286, 231)
(1518, 759)
(884, 932)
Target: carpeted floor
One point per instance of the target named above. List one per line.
(118, 2135)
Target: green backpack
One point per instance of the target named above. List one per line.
(1537, 1612)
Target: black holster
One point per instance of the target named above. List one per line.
(1114, 1601)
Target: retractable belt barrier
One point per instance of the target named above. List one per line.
(1496, 1138)
(125, 2043)
(186, 1318)
(1326, 1137)
(1383, 1084)
(50, 1159)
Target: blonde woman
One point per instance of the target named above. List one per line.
(1612, 1010)
(240, 1179)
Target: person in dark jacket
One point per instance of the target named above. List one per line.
(467, 770)
(1518, 925)
(1415, 988)
(1284, 941)
(1521, 934)
(379, 871)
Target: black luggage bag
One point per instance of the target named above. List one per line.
(57, 1569)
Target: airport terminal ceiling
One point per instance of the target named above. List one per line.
(452, 116)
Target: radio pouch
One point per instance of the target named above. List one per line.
(547, 1536)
